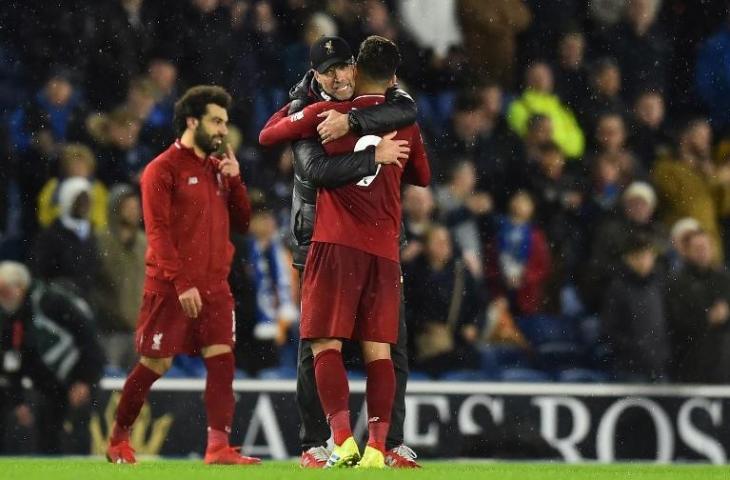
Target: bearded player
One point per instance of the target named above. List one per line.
(190, 199)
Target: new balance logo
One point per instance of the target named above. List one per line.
(297, 116)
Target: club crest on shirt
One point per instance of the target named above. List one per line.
(156, 341)
(192, 180)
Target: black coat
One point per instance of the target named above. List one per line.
(60, 255)
(314, 169)
(634, 326)
(700, 351)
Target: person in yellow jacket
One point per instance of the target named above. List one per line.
(689, 183)
(76, 160)
(538, 98)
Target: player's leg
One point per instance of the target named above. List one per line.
(377, 329)
(216, 332)
(379, 391)
(134, 394)
(314, 430)
(398, 455)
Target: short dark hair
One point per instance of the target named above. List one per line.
(637, 242)
(378, 58)
(549, 147)
(194, 104)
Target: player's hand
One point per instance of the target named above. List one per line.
(334, 126)
(79, 394)
(24, 415)
(191, 302)
(228, 165)
(391, 151)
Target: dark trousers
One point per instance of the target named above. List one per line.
(314, 430)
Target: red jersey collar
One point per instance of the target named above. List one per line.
(190, 152)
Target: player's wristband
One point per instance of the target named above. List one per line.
(354, 124)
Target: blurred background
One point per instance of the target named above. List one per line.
(576, 229)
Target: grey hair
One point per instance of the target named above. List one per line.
(15, 274)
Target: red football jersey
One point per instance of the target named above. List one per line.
(366, 214)
(188, 210)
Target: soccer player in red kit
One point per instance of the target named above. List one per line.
(190, 200)
(351, 285)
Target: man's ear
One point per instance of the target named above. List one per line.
(192, 123)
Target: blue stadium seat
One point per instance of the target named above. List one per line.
(554, 356)
(114, 372)
(496, 357)
(539, 329)
(418, 375)
(278, 373)
(581, 375)
(464, 376)
(524, 375)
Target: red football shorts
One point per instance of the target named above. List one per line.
(348, 293)
(163, 329)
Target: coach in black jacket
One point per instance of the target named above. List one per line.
(314, 169)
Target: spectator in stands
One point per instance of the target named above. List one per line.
(67, 251)
(538, 97)
(689, 184)
(142, 102)
(123, 34)
(490, 37)
(641, 46)
(610, 143)
(604, 96)
(76, 160)
(610, 174)
(442, 302)
(571, 76)
(679, 234)
(118, 293)
(698, 309)
(55, 115)
(633, 319)
(518, 258)
(261, 282)
(648, 137)
(163, 72)
(121, 157)
(539, 132)
(418, 218)
(638, 204)
(559, 197)
(462, 210)
(71, 360)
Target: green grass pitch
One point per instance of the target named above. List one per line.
(73, 469)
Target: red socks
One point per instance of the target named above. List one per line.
(219, 400)
(380, 394)
(334, 392)
(134, 393)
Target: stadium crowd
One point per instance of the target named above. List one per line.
(577, 228)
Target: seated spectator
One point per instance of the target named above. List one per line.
(261, 283)
(77, 160)
(610, 137)
(689, 184)
(539, 132)
(67, 251)
(144, 102)
(67, 362)
(648, 137)
(611, 173)
(121, 156)
(633, 320)
(638, 204)
(443, 303)
(418, 218)
(518, 258)
(538, 98)
(118, 293)
(698, 310)
(462, 209)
